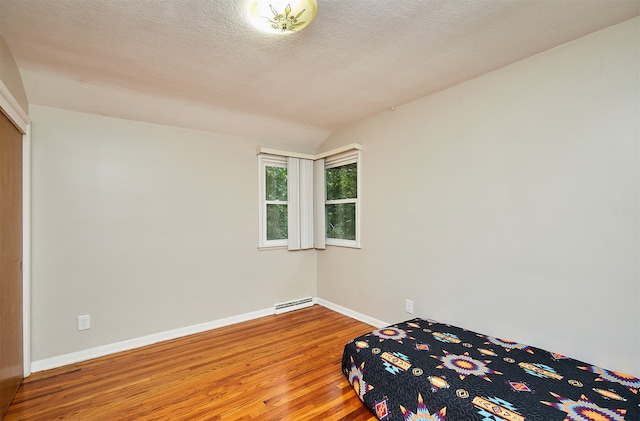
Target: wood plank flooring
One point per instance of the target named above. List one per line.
(281, 367)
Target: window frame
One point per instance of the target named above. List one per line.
(334, 161)
(264, 161)
(347, 154)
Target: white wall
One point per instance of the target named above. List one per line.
(147, 228)
(508, 205)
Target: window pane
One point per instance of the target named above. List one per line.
(277, 222)
(342, 182)
(276, 183)
(341, 221)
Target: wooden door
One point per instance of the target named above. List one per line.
(11, 354)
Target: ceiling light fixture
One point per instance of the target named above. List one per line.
(281, 16)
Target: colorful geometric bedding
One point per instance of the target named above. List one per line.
(424, 370)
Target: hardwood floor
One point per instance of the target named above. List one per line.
(281, 367)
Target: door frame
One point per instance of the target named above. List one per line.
(19, 117)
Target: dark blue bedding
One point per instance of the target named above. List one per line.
(424, 370)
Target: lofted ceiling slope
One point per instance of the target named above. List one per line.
(198, 64)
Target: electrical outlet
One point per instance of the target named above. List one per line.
(408, 306)
(84, 322)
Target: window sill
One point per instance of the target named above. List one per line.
(270, 248)
(345, 245)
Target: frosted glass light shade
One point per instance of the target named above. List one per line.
(281, 16)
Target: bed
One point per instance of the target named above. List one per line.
(424, 370)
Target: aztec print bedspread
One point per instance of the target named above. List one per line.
(424, 370)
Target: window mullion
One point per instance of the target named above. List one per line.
(341, 201)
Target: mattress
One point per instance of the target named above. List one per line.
(424, 370)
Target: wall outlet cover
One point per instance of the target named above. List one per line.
(84, 322)
(409, 306)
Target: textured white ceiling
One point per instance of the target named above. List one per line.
(198, 64)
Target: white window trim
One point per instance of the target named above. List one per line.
(332, 161)
(263, 162)
(327, 154)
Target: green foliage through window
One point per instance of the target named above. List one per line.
(277, 225)
(341, 221)
(276, 183)
(340, 208)
(342, 182)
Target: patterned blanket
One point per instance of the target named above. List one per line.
(424, 370)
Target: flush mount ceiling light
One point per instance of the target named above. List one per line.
(281, 16)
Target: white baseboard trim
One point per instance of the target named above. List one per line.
(101, 351)
(351, 313)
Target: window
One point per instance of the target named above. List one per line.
(273, 201)
(309, 201)
(342, 203)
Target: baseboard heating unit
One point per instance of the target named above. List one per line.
(293, 305)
